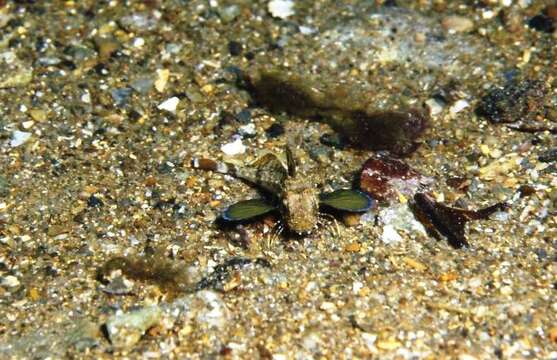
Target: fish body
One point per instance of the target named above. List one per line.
(296, 196)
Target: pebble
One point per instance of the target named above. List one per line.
(19, 138)
(162, 79)
(274, 130)
(20, 77)
(235, 48)
(84, 335)
(281, 8)
(548, 155)
(229, 13)
(139, 22)
(169, 104)
(38, 114)
(553, 334)
(542, 23)
(457, 24)
(435, 107)
(142, 85)
(390, 235)
(120, 96)
(458, 106)
(398, 218)
(234, 148)
(106, 47)
(247, 130)
(125, 329)
(213, 313)
(10, 281)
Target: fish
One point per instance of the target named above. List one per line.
(290, 192)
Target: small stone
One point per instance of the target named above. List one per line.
(229, 13)
(248, 130)
(84, 335)
(552, 334)
(386, 178)
(10, 281)
(506, 290)
(142, 85)
(435, 107)
(33, 294)
(351, 219)
(369, 340)
(457, 24)
(353, 247)
(275, 130)
(448, 276)
(542, 23)
(390, 235)
(162, 79)
(235, 48)
(17, 78)
(38, 115)
(125, 329)
(139, 22)
(138, 42)
(517, 100)
(548, 155)
(120, 96)
(106, 46)
(214, 313)
(27, 124)
(281, 8)
(306, 30)
(458, 106)
(169, 105)
(328, 306)
(413, 263)
(207, 89)
(94, 202)
(118, 285)
(398, 218)
(388, 344)
(234, 148)
(19, 138)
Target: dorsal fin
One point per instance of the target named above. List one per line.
(290, 161)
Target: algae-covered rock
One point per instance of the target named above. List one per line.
(395, 131)
(125, 329)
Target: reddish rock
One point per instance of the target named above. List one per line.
(384, 177)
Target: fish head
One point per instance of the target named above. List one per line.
(301, 207)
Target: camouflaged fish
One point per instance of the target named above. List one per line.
(293, 194)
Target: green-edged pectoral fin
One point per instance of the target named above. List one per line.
(247, 209)
(347, 200)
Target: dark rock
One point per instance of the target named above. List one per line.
(94, 201)
(101, 69)
(235, 48)
(244, 116)
(384, 178)
(542, 23)
(333, 139)
(517, 100)
(548, 155)
(442, 220)
(275, 130)
(120, 96)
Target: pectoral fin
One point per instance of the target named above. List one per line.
(347, 200)
(247, 209)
